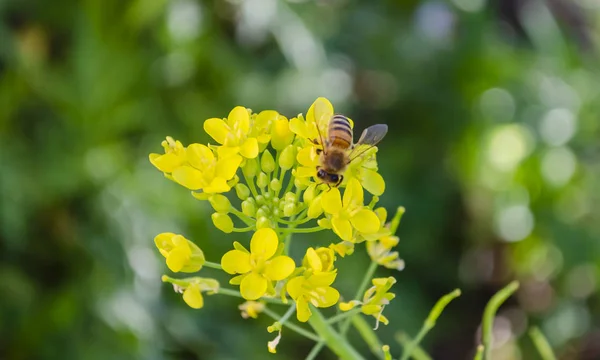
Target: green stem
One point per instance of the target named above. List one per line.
(359, 293)
(334, 341)
(247, 220)
(429, 323)
(368, 334)
(291, 326)
(344, 315)
(315, 350)
(307, 230)
(289, 186)
(246, 229)
(489, 314)
(418, 353)
(213, 265)
(541, 344)
(235, 293)
(250, 185)
(479, 353)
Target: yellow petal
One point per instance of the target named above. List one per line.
(253, 286)
(315, 209)
(198, 155)
(353, 194)
(322, 279)
(303, 312)
(332, 201)
(217, 129)
(373, 182)
(298, 127)
(329, 298)
(264, 243)
(178, 258)
(227, 167)
(239, 118)
(167, 162)
(282, 136)
(306, 172)
(294, 286)
(193, 297)
(188, 177)
(342, 228)
(307, 156)
(249, 148)
(365, 221)
(279, 268)
(236, 262)
(227, 151)
(164, 241)
(320, 111)
(346, 306)
(371, 309)
(381, 213)
(313, 259)
(217, 185)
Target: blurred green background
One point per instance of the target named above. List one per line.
(493, 149)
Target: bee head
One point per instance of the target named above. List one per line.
(328, 177)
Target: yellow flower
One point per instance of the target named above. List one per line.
(233, 133)
(374, 300)
(313, 288)
(380, 250)
(281, 135)
(192, 289)
(365, 169)
(349, 213)
(181, 254)
(173, 157)
(251, 309)
(258, 268)
(343, 248)
(204, 171)
(319, 260)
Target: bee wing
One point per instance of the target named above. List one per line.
(371, 136)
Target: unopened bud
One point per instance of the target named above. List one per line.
(222, 222)
(267, 162)
(263, 222)
(263, 180)
(287, 158)
(289, 209)
(249, 207)
(220, 203)
(242, 191)
(275, 185)
(251, 168)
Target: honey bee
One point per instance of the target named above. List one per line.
(338, 148)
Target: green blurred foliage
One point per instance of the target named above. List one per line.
(493, 149)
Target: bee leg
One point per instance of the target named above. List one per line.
(339, 181)
(319, 151)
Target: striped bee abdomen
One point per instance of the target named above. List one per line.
(340, 132)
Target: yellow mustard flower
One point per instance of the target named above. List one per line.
(319, 260)
(180, 253)
(374, 300)
(365, 170)
(173, 157)
(233, 134)
(343, 248)
(192, 289)
(313, 288)
(380, 249)
(317, 119)
(251, 309)
(349, 213)
(259, 267)
(205, 171)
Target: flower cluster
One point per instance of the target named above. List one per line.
(259, 176)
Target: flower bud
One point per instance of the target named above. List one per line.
(275, 185)
(220, 203)
(222, 222)
(260, 199)
(249, 207)
(289, 197)
(262, 212)
(263, 222)
(276, 212)
(251, 168)
(281, 135)
(242, 191)
(289, 209)
(299, 184)
(287, 158)
(324, 223)
(263, 180)
(267, 162)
